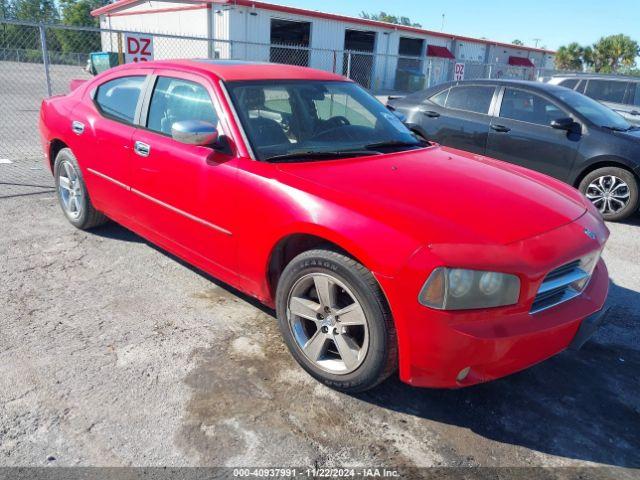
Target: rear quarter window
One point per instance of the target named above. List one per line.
(570, 83)
(440, 98)
(118, 98)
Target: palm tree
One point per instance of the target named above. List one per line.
(570, 57)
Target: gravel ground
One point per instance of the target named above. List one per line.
(114, 353)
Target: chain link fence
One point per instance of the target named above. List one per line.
(40, 60)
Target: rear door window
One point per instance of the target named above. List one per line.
(607, 90)
(470, 98)
(118, 99)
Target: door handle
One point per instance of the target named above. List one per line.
(430, 113)
(142, 149)
(500, 128)
(635, 113)
(77, 127)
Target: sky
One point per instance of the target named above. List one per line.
(554, 22)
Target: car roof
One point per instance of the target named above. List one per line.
(541, 86)
(234, 70)
(597, 76)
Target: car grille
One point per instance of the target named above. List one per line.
(558, 286)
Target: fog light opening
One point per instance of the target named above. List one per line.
(463, 374)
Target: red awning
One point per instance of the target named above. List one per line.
(520, 62)
(442, 52)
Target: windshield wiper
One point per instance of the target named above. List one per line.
(395, 143)
(311, 155)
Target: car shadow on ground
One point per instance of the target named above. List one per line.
(633, 220)
(581, 405)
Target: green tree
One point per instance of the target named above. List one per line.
(613, 54)
(78, 13)
(520, 43)
(570, 57)
(24, 37)
(385, 17)
(35, 11)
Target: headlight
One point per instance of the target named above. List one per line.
(458, 289)
(588, 265)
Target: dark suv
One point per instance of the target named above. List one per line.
(621, 94)
(543, 127)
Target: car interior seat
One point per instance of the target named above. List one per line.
(265, 130)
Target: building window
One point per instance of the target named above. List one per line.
(295, 38)
(358, 56)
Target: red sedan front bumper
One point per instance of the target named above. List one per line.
(452, 349)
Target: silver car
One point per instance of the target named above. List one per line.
(621, 94)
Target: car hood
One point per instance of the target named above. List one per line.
(442, 195)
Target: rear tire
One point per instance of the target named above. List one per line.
(335, 320)
(72, 192)
(613, 191)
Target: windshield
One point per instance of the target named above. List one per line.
(594, 111)
(304, 119)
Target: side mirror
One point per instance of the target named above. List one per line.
(568, 124)
(195, 132)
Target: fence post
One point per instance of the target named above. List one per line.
(45, 57)
(349, 65)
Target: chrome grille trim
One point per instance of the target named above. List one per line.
(556, 287)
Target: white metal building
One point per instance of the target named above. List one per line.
(252, 30)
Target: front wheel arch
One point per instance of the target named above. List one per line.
(603, 163)
(292, 245)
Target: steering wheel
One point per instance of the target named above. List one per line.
(331, 124)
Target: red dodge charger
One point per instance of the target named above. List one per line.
(378, 251)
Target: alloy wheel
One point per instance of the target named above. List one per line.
(328, 323)
(70, 190)
(609, 194)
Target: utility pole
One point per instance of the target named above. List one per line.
(442, 26)
(537, 40)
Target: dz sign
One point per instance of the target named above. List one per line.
(138, 48)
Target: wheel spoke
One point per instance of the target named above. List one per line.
(347, 349)
(617, 201)
(315, 347)
(609, 208)
(68, 171)
(351, 315)
(596, 187)
(621, 196)
(325, 289)
(305, 308)
(602, 185)
(64, 183)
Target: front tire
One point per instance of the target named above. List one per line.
(335, 320)
(72, 192)
(613, 191)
